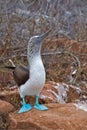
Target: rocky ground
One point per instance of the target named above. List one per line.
(66, 109)
(58, 117)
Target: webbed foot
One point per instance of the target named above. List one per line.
(40, 107)
(25, 108)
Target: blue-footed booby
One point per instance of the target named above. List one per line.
(31, 79)
(37, 75)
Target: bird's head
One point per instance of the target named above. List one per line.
(37, 40)
(35, 43)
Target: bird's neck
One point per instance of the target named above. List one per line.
(34, 58)
(36, 66)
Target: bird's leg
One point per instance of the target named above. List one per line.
(25, 107)
(39, 106)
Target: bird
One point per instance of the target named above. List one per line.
(37, 74)
(31, 79)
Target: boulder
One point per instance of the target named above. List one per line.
(49, 94)
(5, 107)
(11, 95)
(57, 117)
(59, 93)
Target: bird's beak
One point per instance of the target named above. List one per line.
(45, 35)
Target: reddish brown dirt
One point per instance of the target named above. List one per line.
(58, 117)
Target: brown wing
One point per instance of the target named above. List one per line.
(21, 74)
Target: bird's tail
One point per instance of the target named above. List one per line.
(10, 67)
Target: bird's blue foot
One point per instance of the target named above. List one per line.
(25, 107)
(39, 106)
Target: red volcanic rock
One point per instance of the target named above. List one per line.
(5, 107)
(58, 117)
(11, 95)
(49, 94)
(59, 93)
